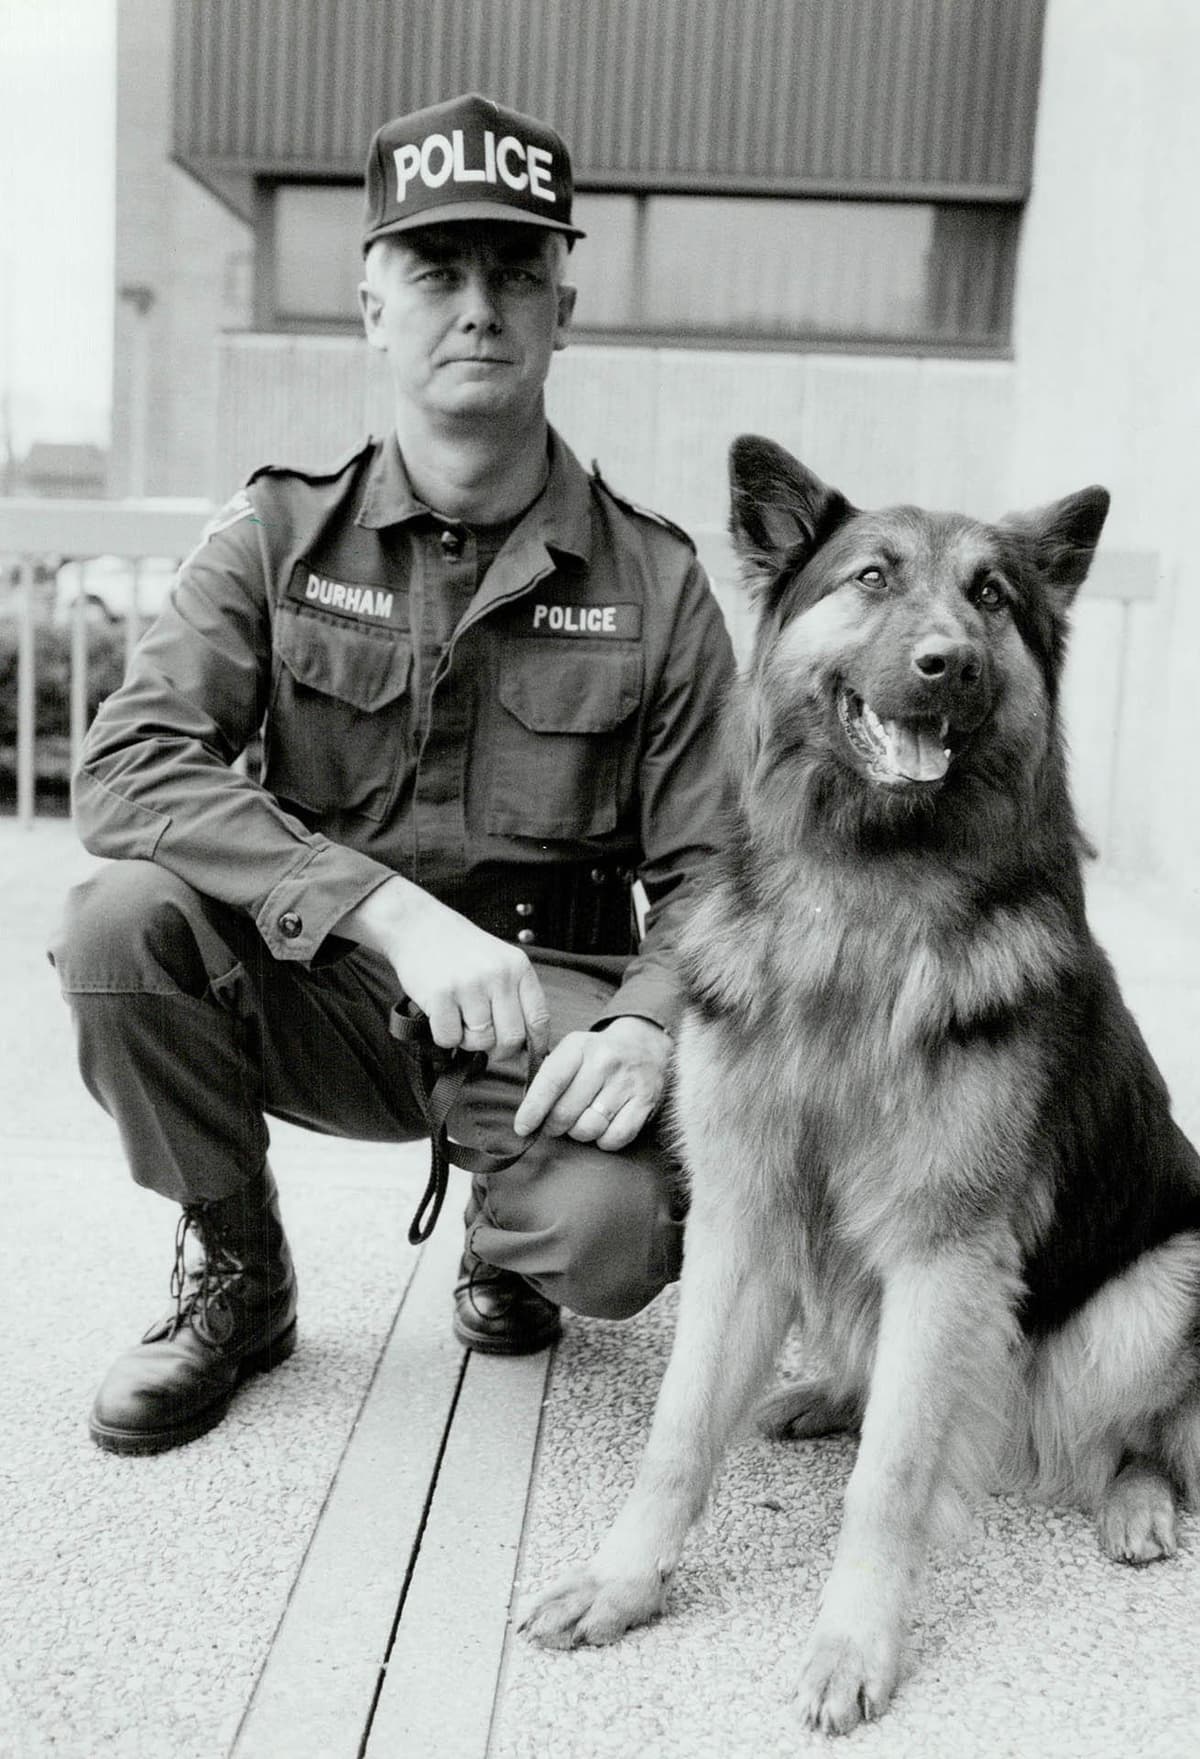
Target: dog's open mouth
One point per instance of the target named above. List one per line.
(895, 751)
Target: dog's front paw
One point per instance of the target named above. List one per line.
(586, 1606)
(845, 1680)
(1137, 1518)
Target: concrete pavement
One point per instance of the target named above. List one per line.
(330, 1570)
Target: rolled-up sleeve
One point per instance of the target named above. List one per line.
(157, 780)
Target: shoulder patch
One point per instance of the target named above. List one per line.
(240, 506)
(313, 476)
(237, 508)
(642, 512)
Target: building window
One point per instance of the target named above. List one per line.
(781, 269)
(315, 254)
(723, 269)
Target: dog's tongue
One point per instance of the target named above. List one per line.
(914, 753)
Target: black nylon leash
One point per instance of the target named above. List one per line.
(440, 1076)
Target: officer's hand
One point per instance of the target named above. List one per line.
(600, 1086)
(478, 992)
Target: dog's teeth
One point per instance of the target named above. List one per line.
(873, 721)
(944, 728)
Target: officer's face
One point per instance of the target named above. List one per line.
(469, 315)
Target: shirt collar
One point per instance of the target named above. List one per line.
(388, 498)
(561, 515)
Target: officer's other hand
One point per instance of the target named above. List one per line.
(601, 1086)
(477, 991)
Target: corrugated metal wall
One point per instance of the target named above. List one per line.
(873, 97)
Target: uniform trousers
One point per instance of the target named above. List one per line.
(189, 1034)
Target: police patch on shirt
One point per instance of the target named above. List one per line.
(361, 603)
(620, 622)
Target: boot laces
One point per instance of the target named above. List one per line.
(200, 1291)
(484, 1276)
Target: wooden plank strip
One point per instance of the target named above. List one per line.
(455, 1616)
(315, 1693)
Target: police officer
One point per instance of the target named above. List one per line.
(487, 689)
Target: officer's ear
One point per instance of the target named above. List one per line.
(566, 311)
(371, 297)
(370, 303)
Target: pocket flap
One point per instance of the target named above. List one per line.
(572, 692)
(364, 668)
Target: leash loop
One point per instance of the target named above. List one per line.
(441, 1075)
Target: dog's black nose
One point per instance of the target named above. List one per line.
(953, 662)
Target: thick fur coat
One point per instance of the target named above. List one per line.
(918, 1118)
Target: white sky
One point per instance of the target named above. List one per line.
(57, 130)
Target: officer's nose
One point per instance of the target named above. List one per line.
(480, 306)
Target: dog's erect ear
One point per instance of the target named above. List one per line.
(1062, 538)
(779, 511)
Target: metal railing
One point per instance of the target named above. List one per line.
(33, 531)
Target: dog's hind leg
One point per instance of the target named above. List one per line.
(941, 1362)
(733, 1312)
(802, 1409)
(1137, 1514)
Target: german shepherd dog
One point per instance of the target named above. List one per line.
(916, 1115)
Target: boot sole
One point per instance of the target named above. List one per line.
(491, 1344)
(157, 1441)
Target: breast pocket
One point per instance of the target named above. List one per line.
(563, 721)
(337, 734)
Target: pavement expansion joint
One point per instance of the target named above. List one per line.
(414, 1558)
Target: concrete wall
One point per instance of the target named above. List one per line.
(1107, 375)
(194, 257)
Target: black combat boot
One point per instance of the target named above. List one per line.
(498, 1312)
(235, 1313)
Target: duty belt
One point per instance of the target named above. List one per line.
(576, 907)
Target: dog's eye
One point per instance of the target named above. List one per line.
(989, 594)
(874, 578)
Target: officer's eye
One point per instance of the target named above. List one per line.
(874, 578)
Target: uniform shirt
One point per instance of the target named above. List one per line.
(505, 741)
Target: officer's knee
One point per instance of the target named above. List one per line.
(128, 926)
(622, 1247)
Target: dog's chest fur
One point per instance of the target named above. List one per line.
(852, 1035)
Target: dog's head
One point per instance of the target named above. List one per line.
(906, 663)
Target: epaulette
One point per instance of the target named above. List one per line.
(314, 476)
(642, 512)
